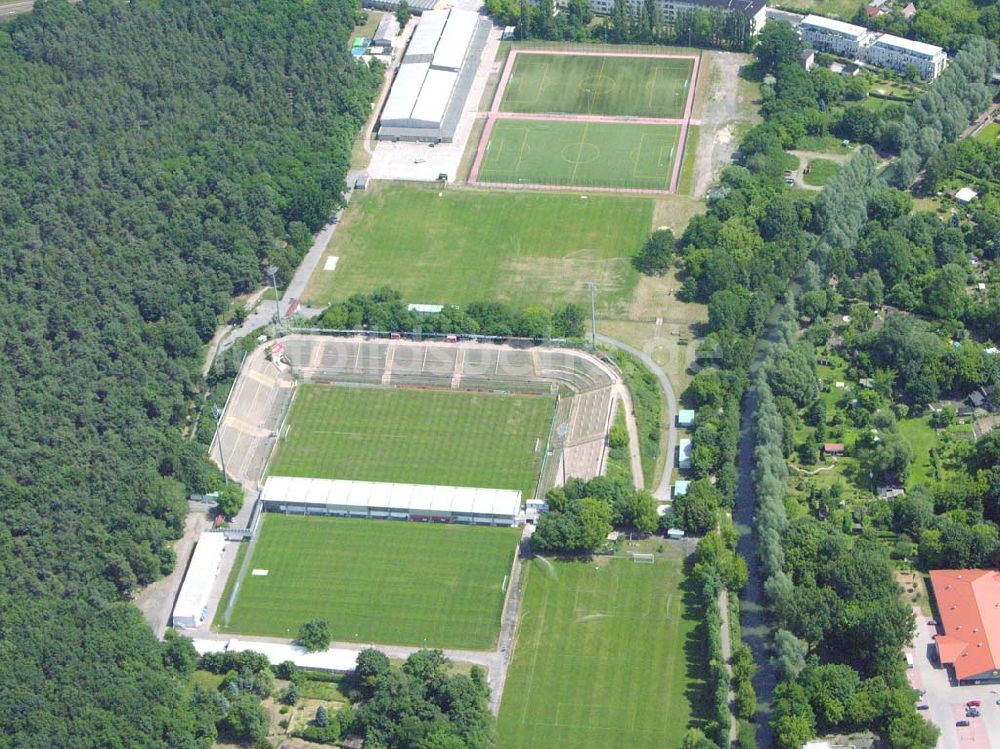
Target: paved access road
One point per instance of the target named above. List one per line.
(662, 491)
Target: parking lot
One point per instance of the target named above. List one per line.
(946, 703)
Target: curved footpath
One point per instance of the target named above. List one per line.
(662, 491)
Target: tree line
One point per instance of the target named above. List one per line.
(642, 24)
(152, 157)
(383, 310)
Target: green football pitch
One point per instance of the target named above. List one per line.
(595, 154)
(461, 246)
(591, 84)
(600, 658)
(415, 437)
(383, 581)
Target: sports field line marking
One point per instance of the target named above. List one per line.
(638, 156)
(652, 88)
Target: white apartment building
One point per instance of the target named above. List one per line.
(897, 53)
(753, 9)
(838, 37)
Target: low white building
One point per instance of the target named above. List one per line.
(966, 195)
(838, 37)
(337, 660)
(899, 54)
(192, 601)
(684, 454)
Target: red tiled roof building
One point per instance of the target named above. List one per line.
(968, 603)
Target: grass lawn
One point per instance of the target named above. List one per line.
(922, 439)
(416, 437)
(842, 9)
(821, 171)
(589, 84)
(605, 657)
(989, 134)
(592, 154)
(378, 581)
(823, 143)
(461, 246)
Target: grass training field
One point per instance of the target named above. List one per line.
(381, 581)
(460, 246)
(600, 658)
(415, 437)
(596, 154)
(590, 84)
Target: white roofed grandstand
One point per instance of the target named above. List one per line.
(434, 78)
(377, 499)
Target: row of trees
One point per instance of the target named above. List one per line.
(384, 310)
(152, 156)
(627, 24)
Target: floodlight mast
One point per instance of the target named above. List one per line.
(561, 432)
(217, 415)
(272, 271)
(593, 314)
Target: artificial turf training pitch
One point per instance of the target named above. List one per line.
(600, 658)
(603, 85)
(593, 154)
(381, 581)
(415, 437)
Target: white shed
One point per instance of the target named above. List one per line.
(192, 601)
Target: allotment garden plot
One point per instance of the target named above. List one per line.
(614, 85)
(379, 581)
(600, 658)
(603, 121)
(415, 436)
(581, 153)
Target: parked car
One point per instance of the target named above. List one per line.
(972, 712)
(923, 706)
(961, 723)
(973, 703)
(931, 623)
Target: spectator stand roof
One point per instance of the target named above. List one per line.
(201, 573)
(408, 499)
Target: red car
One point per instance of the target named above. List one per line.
(973, 703)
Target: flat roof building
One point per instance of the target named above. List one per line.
(192, 600)
(337, 660)
(685, 417)
(899, 54)
(387, 501)
(834, 36)
(968, 603)
(434, 77)
(681, 488)
(684, 454)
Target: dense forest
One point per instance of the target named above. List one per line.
(152, 156)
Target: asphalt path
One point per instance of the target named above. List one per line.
(662, 491)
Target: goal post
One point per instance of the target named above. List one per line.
(643, 558)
